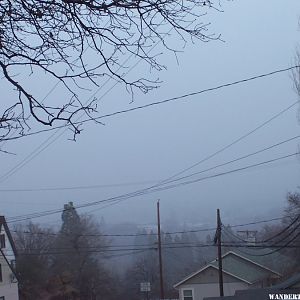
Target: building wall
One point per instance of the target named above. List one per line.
(9, 284)
(8, 251)
(201, 291)
(9, 291)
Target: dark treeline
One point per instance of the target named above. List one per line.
(78, 262)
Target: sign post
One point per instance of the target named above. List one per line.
(145, 287)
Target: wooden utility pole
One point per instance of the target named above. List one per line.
(218, 241)
(162, 293)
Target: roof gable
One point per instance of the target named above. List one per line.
(244, 268)
(275, 261)
(192, 279)
(237, 266)
(252, 261)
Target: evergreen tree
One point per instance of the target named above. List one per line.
(77, 261)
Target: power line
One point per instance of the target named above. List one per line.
(178, 245)
(294, 229)
(222, 149)
(86, 251)
(276, 247)
(143, 192)
(41, 148)
(83, 187)
(217, 152)
(196, 93)
(205, 159)
(130, 195)
(45, 144)
(120, 235)
(279, 247)
(168, 100)
(275, 236)
(276, 244)
(126, 253)
(258, 222)
(155, 234)
(231, 161)
(122, 246)
(285, 230)
(227, 172)
(227, 146)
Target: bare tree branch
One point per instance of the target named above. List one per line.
(59, 37)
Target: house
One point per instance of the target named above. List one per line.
(241, 271)
(261, 294)
(288, 289)
(8, 279)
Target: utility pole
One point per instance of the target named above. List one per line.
(218, 240)
(162, 294)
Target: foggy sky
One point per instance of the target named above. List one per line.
(152, 144)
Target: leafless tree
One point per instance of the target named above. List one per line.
(32, 242)
(80, 43)
(71, 261)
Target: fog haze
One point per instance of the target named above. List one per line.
(138, 149)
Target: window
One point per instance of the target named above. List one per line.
(2, 242)
(187, 294)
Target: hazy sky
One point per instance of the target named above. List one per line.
(146, 146)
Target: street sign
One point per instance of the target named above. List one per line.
(145, 287)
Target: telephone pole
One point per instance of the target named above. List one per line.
(218, 241)
(162, 294)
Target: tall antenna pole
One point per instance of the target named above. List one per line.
(162, 294)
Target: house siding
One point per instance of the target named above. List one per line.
(8, 250)
(8, 287)
(9, 291)
(205, 284)
(212, 289)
